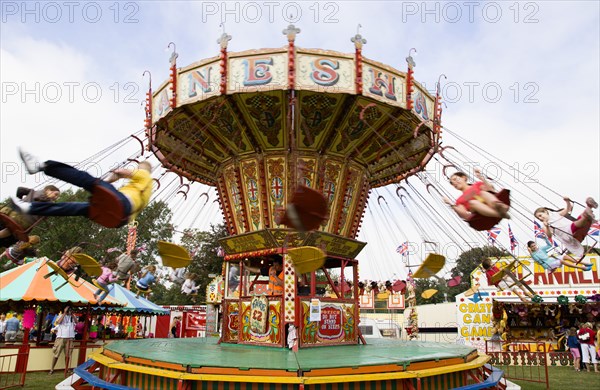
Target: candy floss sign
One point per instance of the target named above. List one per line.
(474, 313)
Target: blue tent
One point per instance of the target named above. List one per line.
(133, 305)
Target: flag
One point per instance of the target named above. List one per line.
(403, 249)
(513, 241)
(537, 229)
(493, 234)
(539, 233)
(594, 229)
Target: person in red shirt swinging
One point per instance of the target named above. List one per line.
(476, 198)
(505, 282)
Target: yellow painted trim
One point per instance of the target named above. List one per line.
(114, 364)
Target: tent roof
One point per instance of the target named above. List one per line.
(26, 283)
(133, 304)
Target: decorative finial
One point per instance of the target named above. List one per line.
(174, 55)
(439, 79)
(410, 60)
(291, 32)
(224, 38)
(358, 40)
(149, 75)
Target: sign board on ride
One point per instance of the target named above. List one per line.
(474, 313)
(267, 70)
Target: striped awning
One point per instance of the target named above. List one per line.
(133, 304)
(27, 283)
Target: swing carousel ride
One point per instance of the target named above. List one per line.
(294, 142)
(269, 129)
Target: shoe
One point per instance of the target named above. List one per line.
(19, 205)
(591, 203)
(588, 267)
(32, 164)
(50, 372)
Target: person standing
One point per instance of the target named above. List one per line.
(2, 326)
(587, 339)
(176, 327)
(65, 333)
(573, 345)
(276, 277)
(12, 328)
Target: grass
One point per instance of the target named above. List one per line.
(563, 377)
(560, 378)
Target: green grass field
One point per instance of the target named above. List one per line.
(561, 378)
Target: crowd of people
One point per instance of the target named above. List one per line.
(584, 344)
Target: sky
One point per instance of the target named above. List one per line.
(521, 83)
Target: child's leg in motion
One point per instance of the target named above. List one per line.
(483, 209)
(494, 203)
(569, 258)
(460, 210)
(583, 223)
(575, 265)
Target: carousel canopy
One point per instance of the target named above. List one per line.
(27, 283)
(133, 304)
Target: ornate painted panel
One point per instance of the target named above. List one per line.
(265, 71)
(337, 324)
(231, 321)
(325, 72)
(384, 84)
(251, 191)
(273, 331)
(275, 176)
(198, 81)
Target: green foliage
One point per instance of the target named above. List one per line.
(432, 283)
(467, 262)
(203, 246)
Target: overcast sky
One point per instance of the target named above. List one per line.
(522, 83)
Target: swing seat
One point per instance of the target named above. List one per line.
(480, 222)
(173, 256)
(472, 291)
(432, 264)
(455, 281)
(306, 259)
(398, 286)
(95, 282)
(88, 263)
(498, 276)
(427, 294)
(106, 209)
(15, 228)
(306, 210)
(57, 270)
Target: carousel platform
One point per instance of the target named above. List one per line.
(198, 363)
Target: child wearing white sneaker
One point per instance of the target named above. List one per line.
(134, 196)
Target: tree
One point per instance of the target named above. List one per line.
(433, 283)
(203, 246)
(467, 262)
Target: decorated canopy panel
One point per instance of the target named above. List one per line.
(205, 124)
(265, 242)
(256, 123)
